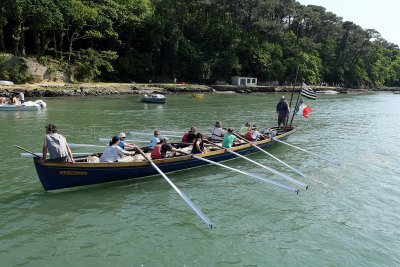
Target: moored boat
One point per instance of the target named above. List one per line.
(197, 95)
(66, 175)
(28, 105)
(6, 82)
(327, 92)
(154, 98)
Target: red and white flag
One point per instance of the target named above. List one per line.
(302, 109)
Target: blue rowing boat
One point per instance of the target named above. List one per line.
(66, 175)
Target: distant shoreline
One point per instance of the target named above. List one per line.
(102, 89)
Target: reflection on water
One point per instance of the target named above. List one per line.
(22, 114)
(153, 106)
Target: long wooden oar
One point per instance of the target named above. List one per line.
(134, 141)
(269, 154)
(309, 152)
(188, 201)
(26, 150)
(151, 134)
(287, 177)
(249, 174)
(84, 145)
(31, 155)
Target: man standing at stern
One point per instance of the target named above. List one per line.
(282, 109)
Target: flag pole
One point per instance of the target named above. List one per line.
(297, 102)
(294, 85)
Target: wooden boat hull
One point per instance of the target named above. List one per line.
(66, 175)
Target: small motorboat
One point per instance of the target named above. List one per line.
(154, 98)
(6, 82)
(28, 105)
(327, 92)
(197, 95)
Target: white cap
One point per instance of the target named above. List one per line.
(122, 135)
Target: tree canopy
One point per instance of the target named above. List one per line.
(200, 41)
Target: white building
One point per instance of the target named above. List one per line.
(244, 81)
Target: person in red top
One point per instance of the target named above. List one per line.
(161, 149)
(190, 135)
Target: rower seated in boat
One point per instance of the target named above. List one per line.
(244, 129)
(122, 143)
(188, 138)
(198, 144)
(161, 149)
(254, 134)
(217, 133)
(229, 139)
(56, 145)
(113, 152)
(269, 132)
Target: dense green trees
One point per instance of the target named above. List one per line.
(198, 41)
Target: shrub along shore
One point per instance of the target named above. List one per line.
(102, 89)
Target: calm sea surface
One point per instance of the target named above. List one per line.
(349, 216)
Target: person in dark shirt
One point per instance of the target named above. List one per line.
(165, 147)
(282, 109)
(189, 136)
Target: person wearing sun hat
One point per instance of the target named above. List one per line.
(122, 144)
(256, 135)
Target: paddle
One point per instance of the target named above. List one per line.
(151, 134)
(84, 145)
(23, 149)
(287, 177)
(249, 174)
(269, 154)
(31, 155)
(309, 152)
(188, 201)
(134, 141)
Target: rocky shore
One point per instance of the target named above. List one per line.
(102, 89)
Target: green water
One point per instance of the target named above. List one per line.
(348, 217)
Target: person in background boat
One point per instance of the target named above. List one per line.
(229, 139)
(14, 101)
(56, 145)
(198, 145)
(154, 140)
(282, 109)
(189, 136)
(244, 129)
(217, 133)
(114, 152)
(21, 97)
(122, 144)
(254, 134)
(3, 100)
(161, 149)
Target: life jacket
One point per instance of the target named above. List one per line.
(184, 138)
(249, 136)
(156, 152)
